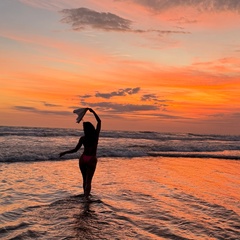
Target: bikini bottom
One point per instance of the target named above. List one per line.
(88, 160)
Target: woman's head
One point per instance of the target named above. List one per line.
(89, 129)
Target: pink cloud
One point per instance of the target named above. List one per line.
(225, 65)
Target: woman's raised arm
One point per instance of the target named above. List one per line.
(98, 128)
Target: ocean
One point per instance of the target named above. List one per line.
(23, 144)
(148, 185)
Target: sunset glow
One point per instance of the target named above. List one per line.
(152, 65)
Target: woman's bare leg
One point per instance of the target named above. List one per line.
(83, 170)
(87, 170)
(89, 176)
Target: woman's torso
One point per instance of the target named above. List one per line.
(90, 146)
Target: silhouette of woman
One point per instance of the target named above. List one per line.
(88, 160)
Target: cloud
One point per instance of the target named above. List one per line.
(231, 115)
(203, 5)
(83, 97)
(53, 5)
(82, 18)
(229, 66)
(121, 108)
(183, 20)
(168, 116)
(38, 111)
(157, 5)
(152, 97)
(50, 105)
(86, 96)
(24, 108)
(120, 92)
(167, 32)
(154, 103)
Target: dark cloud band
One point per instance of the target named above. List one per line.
(204, 5)
(38, 111)
(122, 108)
(80, 18)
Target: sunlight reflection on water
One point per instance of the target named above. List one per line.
(138, 198)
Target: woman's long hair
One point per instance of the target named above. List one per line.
(90, 133)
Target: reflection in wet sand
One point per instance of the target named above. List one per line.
(138, 198)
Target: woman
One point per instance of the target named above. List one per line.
(88, 160)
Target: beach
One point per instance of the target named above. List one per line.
(132, 198)
(145, 92)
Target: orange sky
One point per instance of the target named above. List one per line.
(142, 65)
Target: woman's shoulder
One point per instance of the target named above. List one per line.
(81, 139)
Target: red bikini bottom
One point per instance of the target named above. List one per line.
(88, 160)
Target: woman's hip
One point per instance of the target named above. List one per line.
(88, 160)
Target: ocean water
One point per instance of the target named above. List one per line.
(147, 185)
(22, 144)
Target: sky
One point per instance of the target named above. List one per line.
(142, 65)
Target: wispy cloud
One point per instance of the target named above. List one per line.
(203, 5)
(168, 116)
(122, 108)
(83, 18)
(227, 65)
(120, 92)
(46, 104)
(156, 5)
(155, 99)
(225, 117)
(39, 111)
(86, 96)
(183, 20)
(49, 5)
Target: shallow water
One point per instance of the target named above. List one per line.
(137, 198)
